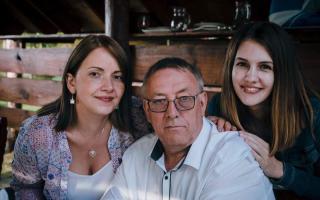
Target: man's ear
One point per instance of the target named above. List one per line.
(203, 97)
(146, 109)
(71, 83)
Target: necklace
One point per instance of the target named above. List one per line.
(92, 152)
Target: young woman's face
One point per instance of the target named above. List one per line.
(252, 74)
(98, 84)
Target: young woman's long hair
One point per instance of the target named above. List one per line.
(66, 113)
(290, 106)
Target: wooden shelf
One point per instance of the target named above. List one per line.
(205, 35)
(303, 35)
(47, 38)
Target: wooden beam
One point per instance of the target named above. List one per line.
(47, 61)
(108, 5)
(28, 91)
(15, 116)
(23, 19)
(92, 22)
(52, 23)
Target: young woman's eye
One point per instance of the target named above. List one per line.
(242, 64)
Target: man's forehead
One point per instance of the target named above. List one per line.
(173, 80)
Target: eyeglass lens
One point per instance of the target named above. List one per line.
(181, 104)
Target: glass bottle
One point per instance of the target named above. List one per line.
(180, 19)
(242, 13)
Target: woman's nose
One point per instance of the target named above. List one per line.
(107, 84)
(252, 74)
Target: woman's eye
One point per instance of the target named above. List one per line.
(265, 67)
(118, 77)
(242, 64)
(94, 74)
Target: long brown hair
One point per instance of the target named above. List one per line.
(66, 113)
(290, 107)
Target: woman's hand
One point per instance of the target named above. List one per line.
(260, 149)
(222, 124)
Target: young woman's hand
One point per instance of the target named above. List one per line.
(222, 124)
(260, 149)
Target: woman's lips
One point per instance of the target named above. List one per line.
(105, 99)
(250, 90)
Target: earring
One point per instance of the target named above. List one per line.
(72, 100)
(117, 107)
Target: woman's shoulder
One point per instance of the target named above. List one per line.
(315, 103)
(120, 138)
(37, 129)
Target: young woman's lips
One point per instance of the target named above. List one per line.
(250, 90)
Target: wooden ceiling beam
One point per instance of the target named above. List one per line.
(22, 18)
(92, 22)
(43, 15)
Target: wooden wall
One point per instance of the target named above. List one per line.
(208, 55)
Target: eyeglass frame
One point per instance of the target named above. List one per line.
(174, 102)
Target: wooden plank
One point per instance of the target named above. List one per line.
(27, 91)
(15, 116)
(208, 57)
(46, 61)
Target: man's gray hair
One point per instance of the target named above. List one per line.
(173, 63)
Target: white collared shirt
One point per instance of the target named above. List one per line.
(218, 166)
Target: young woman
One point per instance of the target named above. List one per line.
(266, 96)
(73, 146)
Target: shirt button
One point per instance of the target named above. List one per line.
(166, 177)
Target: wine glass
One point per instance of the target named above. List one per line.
(143, 21)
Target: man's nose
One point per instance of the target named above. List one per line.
(172, 111)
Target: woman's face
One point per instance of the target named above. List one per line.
(252, 74)
(98, 84)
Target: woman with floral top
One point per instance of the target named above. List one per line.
(73, 146)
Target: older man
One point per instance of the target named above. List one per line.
(186, 158)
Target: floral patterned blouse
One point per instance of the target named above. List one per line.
(42, 158)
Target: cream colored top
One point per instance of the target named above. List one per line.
(89, 186)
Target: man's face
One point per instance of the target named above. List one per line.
(175, 129)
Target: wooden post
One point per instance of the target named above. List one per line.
(10, 44)
(108, 17)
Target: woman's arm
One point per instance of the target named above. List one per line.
(283, 174)
(27, 181)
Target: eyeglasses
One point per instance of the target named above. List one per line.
(181, 103)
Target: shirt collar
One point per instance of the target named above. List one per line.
(157, 150)
(195, 152)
